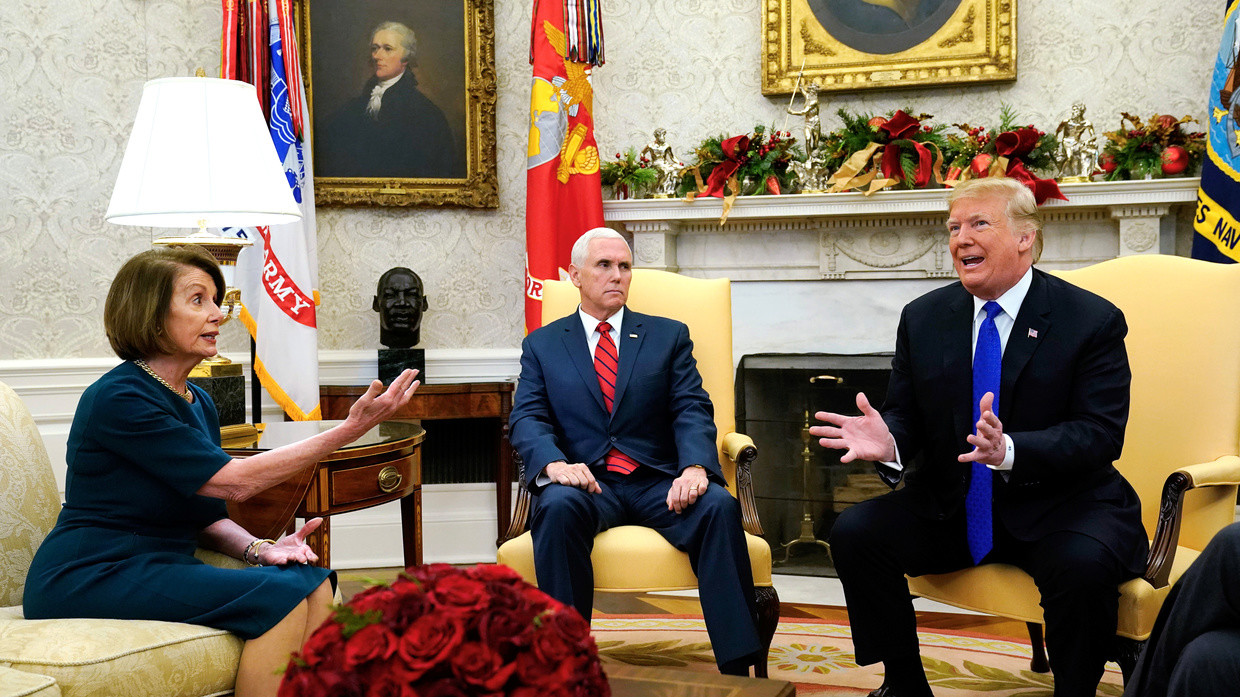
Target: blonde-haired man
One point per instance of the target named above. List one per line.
(1005, 411)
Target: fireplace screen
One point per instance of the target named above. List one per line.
(800, 486)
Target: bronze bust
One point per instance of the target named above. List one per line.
(400, 302)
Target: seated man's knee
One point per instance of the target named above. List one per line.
(716, 501)
(1208, 665)
(562, 505)
(1080, 563)
(853, 528)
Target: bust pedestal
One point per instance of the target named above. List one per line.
(226, 386)
(393, 361)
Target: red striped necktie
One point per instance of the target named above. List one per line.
(606, 365)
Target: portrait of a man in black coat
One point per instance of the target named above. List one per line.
(390, 129)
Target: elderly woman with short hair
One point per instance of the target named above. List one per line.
(147, 483)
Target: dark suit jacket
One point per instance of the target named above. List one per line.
(1063, 398)
(409, 138)
(662, 418)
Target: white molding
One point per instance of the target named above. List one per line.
(458, 520)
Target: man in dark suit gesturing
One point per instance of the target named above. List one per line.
(1006, 408)
(614, 428)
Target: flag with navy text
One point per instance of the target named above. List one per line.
(1217, 231)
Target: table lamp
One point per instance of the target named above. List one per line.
(200, 155)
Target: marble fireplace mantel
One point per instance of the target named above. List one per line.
(888, 235)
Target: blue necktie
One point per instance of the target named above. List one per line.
(987, 369)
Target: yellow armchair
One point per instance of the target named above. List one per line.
(706, 306)
(1180, 447)
(85, 657)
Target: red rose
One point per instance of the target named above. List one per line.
(561, 636)
(429, 639)
(443, 688)
(478, 664)
(505, 626)
(900, 125)
(372, 642)
(325, 640)
(390, 680)
(489, 573)
(533, 670)
(460, 594)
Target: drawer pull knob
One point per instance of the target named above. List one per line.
(389, 479)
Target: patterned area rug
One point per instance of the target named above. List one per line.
(817, 655)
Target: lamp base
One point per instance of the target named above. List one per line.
(392, 362)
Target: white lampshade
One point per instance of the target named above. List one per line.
(200, 154)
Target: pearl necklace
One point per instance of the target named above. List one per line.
(183, 395)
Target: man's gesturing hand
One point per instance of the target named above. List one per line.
(864, 437)
(989, 446)
(576, 474)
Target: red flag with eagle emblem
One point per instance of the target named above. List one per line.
(563, 195)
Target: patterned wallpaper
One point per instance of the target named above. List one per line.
(71, 72)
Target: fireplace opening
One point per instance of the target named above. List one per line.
(801, 487)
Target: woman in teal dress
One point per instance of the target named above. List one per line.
(147, 484)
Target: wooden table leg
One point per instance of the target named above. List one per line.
(321, 542)
(411, 527)
(503, 486)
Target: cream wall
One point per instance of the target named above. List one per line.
(71, 72)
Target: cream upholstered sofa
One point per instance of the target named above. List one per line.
(85, 657)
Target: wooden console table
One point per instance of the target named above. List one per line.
(383, 465)
(472, 400)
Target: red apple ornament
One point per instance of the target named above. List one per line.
(1107, 162)
(1174, 160)
(877, 122)
(981, 164)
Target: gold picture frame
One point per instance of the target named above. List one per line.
(847, 45)
(449, 105)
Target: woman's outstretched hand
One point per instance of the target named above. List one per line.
(291, 549)
(378, 405)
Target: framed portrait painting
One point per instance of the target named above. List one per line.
(843, 45)
(402, 101)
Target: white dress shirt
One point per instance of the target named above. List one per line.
(1004, 321)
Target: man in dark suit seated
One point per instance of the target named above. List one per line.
(614, 427)
(1194, 650)
(1005, 411)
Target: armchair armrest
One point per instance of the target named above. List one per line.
(1224, 471)
(519, 522)
(740, 449)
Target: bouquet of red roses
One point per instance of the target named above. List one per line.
(444, 631)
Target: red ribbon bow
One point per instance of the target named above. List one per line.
(900, 126)
(1042, 189)
(1018, 143)
(734, 150)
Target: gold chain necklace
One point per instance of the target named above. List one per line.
(183, 395)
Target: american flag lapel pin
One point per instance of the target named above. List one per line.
(1033, 333)
(632, 336)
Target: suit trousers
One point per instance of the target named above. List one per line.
(1195, 646)
(565, 520)
(876, 542)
